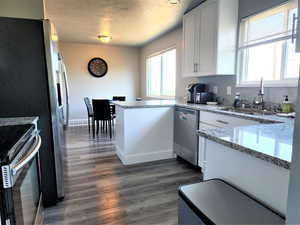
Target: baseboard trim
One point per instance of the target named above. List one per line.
(78, 122)
(145, 157)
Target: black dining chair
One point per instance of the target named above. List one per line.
(89, 111)
(102, 113)
(116, 98)
(119, 98)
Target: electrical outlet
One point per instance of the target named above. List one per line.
(229, 90)
(215, 90)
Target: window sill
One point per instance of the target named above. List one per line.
(270, 84)
(160, 97)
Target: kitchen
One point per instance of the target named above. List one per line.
(247, 148)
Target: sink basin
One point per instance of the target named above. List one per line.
(249, 111)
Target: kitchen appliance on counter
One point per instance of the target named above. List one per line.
(33, 83)
(204, 97)
(197, 94)
(20, 190)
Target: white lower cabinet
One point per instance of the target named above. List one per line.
(222, 121)
(210, 120)
(265, 181)
(201, 153)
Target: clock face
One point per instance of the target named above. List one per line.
(97, 67)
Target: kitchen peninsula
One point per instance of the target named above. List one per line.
(144, 131)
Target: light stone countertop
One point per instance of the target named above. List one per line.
(145, 104)
(270, 142)
(17, 120)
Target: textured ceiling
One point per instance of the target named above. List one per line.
(129, 22)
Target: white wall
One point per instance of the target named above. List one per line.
(173, 38)
(29, 9)
(122, 77)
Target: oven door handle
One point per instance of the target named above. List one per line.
(34, 150)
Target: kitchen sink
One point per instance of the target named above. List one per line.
(249, 111)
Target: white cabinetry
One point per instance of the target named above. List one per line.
(264, 180)
(209, 39)
(223, 121)
(188, 43)
(209, 120)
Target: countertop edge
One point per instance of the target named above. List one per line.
(9, 121)
(234, 114)
(144, 106)
(274, 160)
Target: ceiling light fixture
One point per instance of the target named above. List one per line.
(174, 2)
(104, 38)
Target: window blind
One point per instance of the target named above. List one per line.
(270, 26)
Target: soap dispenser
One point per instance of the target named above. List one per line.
(286, 106)
(237, 100)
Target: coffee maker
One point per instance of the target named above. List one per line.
(198, 94)
(192, 91)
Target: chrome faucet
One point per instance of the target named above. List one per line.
(259, 99)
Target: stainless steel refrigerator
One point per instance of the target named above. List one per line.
(33, 82)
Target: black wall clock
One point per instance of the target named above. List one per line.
(97, 67)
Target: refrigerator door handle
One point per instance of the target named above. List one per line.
(67, 94)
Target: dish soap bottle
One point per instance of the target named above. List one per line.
(237, 100)
(286, 105)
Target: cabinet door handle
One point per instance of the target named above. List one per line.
(293, 28)
(221, 121)
(196, 67)
(182, 116)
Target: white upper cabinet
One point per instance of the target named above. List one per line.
(209, 39)
(188, 42)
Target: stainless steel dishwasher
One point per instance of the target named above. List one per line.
(185, 138)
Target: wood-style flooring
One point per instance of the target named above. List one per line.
(99, 190)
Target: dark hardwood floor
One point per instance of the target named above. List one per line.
(102, 191)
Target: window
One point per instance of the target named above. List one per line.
(161, 74)
(266, 49)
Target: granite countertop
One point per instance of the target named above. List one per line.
(145, 104)
(17, 120)
(271, 142)
(163, 103)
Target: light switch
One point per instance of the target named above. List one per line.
(229, 90)
(215, 90)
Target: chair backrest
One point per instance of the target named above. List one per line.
(88, 106)
(102, 109)
(119, 98)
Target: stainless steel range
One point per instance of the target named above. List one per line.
(20, 192)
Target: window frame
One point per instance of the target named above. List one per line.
(148, 95)
(283, 81)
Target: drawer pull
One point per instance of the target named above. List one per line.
(223, 122)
